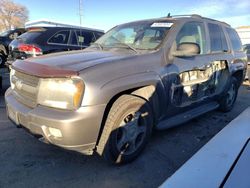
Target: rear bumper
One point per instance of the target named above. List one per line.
(78, 129)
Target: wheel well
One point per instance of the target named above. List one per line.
(139, 91)
(239, 76)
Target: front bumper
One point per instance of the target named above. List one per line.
(79, 129)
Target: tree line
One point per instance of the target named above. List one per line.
(12, 15)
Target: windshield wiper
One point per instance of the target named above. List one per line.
(126, 45)
(98, 44)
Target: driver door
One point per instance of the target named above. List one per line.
(192, 72)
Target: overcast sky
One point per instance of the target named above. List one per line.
(106, 14)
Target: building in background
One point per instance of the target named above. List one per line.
(244, 33)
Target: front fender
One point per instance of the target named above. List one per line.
(104, 93)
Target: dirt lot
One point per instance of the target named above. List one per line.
(26, 162)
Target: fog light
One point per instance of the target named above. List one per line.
(55, 132)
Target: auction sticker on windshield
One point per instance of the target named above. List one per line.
(162, 24)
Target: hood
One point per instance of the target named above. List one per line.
(79, 60)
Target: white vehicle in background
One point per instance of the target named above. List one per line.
(223, 162)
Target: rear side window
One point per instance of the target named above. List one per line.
(235, 39)
(60, 37)
(218, 41)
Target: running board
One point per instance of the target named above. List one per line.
(186, 116)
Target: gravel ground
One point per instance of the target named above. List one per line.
(26, 162)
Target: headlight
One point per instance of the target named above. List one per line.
(63, 93)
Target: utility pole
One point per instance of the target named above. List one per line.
(80, 11)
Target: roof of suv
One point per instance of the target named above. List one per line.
(61, 28)
(182, 17)
(47, 24)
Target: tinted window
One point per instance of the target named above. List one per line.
(217, 38)
(235, 40)
(98, 35)
(73, 38)
(84, 38)
(192, 33)
(29, 36)
(60, 37)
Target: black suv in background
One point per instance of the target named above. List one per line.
(43, 40)
(5, 39)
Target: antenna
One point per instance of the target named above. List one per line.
(80, 11)
(80, 16)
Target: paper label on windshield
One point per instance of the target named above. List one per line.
(162, 24)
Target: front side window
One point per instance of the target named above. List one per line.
(192, 32)
(139, 36)
(84, 38)
(235, 39)
(97, 35)
(60, 37)
(218, 41)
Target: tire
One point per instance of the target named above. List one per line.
(228, 100)
(127, 129)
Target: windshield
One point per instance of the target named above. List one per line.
(136, 36)
(5, 34)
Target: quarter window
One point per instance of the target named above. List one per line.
(218, 41)
(60, 37)
(235, 39)
(192, 32)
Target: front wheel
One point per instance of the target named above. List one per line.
(127, 129)
(228, 100)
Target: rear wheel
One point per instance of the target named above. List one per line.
(228, 100)
(127, 129)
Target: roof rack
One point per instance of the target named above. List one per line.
(194, 16)
(45, 23)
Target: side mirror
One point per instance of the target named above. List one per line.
(187, 49)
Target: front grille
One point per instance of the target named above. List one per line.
(25, 88)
